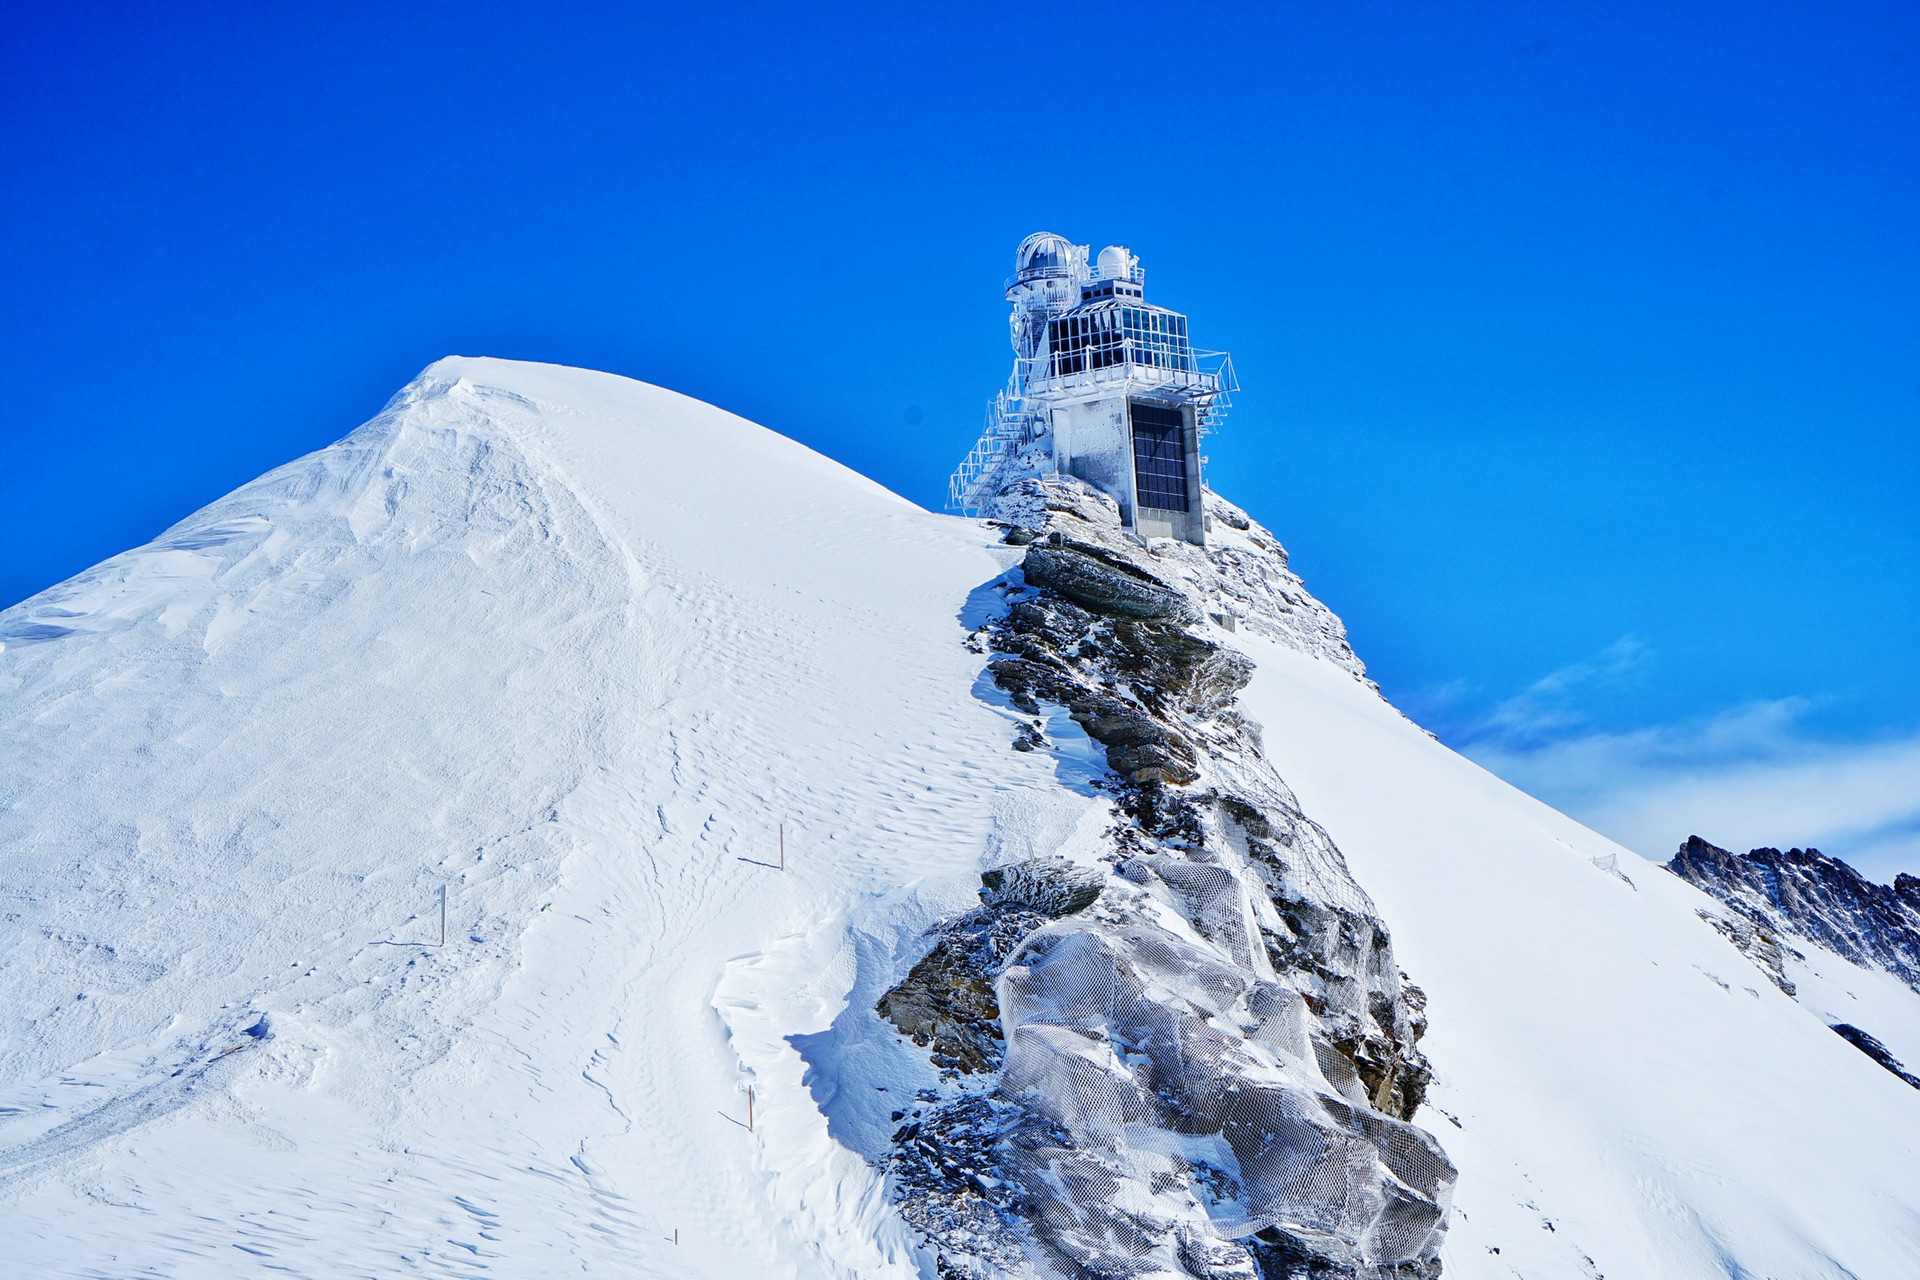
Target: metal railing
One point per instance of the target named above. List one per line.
(1013, 422)
(1011, 425)
(1199, 373)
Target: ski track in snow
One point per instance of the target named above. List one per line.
(574, 649)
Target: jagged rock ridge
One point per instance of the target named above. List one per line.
(1807, 894)
(1197, 1057)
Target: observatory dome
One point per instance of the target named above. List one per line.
(1114, 261)
(1043, 254)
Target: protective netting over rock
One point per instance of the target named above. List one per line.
(1183, 1068)
(1195, 1057)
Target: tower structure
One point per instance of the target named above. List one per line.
(1105, 386)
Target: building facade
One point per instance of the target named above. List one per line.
(1106, 386)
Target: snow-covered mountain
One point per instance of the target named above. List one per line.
(1847, 948)
(794, 928)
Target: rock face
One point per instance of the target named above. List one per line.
(1804, 893)
(1193, 1056)
(1875, 1050)
(1757, 940)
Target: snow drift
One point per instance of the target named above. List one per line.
(583, 655)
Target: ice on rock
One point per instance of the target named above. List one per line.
(1180, 1085)
(1134, 1046)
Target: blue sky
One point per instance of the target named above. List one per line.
(1581, 345)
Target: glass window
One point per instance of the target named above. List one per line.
(1159, 456)
(1102, 337)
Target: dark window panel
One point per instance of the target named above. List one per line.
(1159, 456)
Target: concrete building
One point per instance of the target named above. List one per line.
(1105, 386)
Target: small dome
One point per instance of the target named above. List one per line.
(1114, 261)
(1043, 253)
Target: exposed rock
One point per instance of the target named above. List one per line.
(1139, 747)
(1156, 657)
(947, 1004)
(1026, 504)
(1756, 940)
(1804, 893)
(1052, 886)
(945, 1168)
(1229, 515)
(1029, 683)
(1221, 982)
(1098, 584)
(1241, 574)
(1875, 1050)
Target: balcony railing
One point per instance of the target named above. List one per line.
(1195, 373)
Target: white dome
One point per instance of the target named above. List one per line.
(1115, 260)
(1043, 252)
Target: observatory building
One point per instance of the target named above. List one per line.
(1105, 386)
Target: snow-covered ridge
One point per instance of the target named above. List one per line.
(1846, 948)
(571, 649)
(577, 652)
(1806, 894)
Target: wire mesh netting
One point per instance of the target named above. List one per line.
(1156, 1062)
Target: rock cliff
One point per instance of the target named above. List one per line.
(1805, 893)
(1192, 1054)
(1773, 897)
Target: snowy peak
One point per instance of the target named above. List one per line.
(1824, 934)
(1806, 894)
(564, 652)
(564, 828)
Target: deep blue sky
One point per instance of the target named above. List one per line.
(1578, 340)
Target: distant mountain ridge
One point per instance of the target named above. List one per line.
(1774, 899)
(1808, 894)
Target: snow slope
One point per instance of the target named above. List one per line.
(1837, 990)
(1618, 1070)
(575, 650)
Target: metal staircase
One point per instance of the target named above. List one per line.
(1011, 425)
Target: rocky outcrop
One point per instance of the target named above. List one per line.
(1100, 583)
(1240, 578)
(947, 1003)
(1804, 893)
(1875, 1050)
(1192, 1055)
(1757, 941)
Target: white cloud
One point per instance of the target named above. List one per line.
(1547, 708)
(1749, 776)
